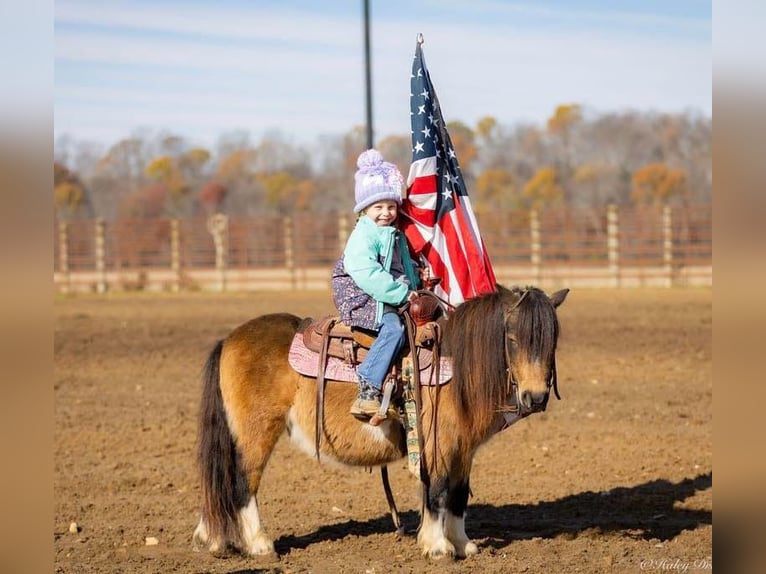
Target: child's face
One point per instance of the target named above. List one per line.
(383, 213)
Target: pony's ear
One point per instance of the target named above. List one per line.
(558, 297)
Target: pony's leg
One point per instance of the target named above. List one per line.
(455, 523)
(432, 536)
(255, 541)
(256, 429)
(255, 451)
(201, 537)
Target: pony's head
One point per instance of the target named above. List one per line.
(531, 335)
(503, 347)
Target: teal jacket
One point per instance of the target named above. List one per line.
(367, 261)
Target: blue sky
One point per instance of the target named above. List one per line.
(201, 69)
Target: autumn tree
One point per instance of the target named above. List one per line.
(543, 189)
(563, 120)
(285, 193)
(278, 188)
(69, 196)
(495, 148)
(118, 173)
(237, 173)
(148, 202)
(464, 144)
(562, 125)
(486, 128)
(193, 162)
(523, 151)
(210, 197)
(658, 184)
(594, 156)
(496, 189)
(595, 184)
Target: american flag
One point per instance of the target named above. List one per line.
(438, 219)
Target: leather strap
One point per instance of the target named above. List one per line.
(327, 327)
(390, 499)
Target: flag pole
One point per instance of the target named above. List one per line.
(368, 73)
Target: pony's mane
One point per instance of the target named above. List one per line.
(474, 338)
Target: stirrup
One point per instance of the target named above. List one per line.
(382, 414)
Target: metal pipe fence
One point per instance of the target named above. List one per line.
(595, 247)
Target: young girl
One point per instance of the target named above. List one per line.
(375, 275)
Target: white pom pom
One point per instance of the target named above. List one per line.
(370, 158)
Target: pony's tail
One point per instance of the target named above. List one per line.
(221, 477)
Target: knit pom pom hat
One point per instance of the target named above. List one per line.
(376, 180)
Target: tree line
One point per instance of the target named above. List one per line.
(577, 159)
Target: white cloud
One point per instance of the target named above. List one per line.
(229, 21)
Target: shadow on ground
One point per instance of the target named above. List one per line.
(644, 511)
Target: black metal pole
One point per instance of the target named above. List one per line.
(368, 72)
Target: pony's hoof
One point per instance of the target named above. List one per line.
(439, 554)
(200, 537)
(440, 551)
(260, 546)
(468, 550)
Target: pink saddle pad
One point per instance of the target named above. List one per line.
(306, 362)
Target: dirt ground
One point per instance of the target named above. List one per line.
(616, 477)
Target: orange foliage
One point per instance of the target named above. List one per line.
(277, 187)
(236, 167)
(285, 192)
(148, 202)
(305, 192)
(61, 174)
(68, 193)
(492, 186)
(486, 126)
(463, 143)
(196, 156)
(657, 183)
(165, 170)
(543, 188)
(565, 116)
(160, 168)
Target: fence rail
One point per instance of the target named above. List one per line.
(610, 246)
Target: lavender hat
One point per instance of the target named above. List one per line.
(376, 180)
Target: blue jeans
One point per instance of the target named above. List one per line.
(383, 350)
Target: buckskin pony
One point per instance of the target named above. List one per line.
(503, 351)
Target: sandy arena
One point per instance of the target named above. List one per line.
(616, 477)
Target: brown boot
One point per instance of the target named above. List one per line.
(367, 402)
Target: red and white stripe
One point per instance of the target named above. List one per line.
(452, 246)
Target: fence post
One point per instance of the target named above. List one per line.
(287, 224)
(667, 245)
(218, 225)
(64, 255)
(100, 256)
(175, 255)
(613, 244)
(535, 247)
